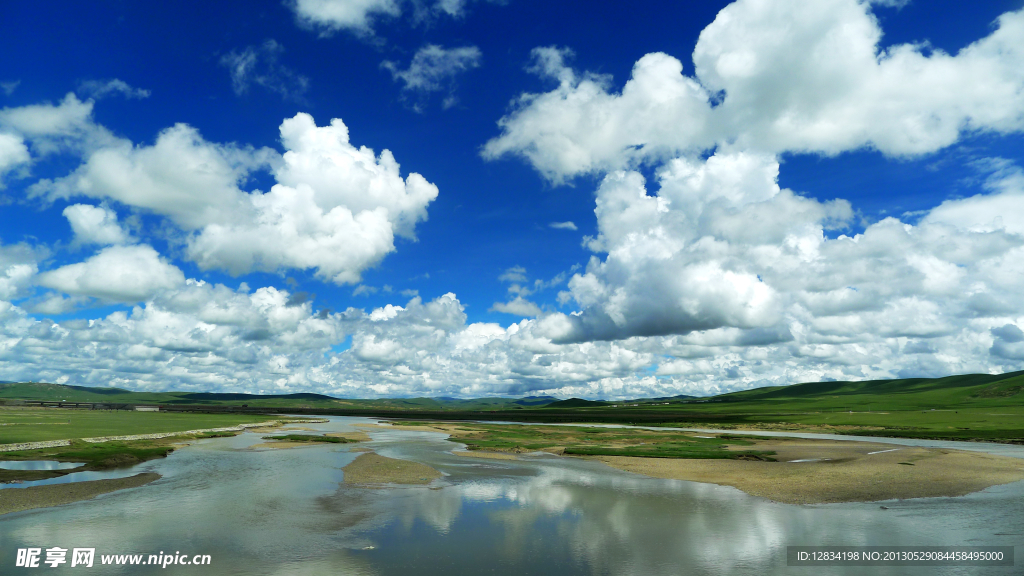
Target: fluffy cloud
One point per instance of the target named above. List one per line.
(732, 280)
(261, 65)
(95, 225)
(18, 265)
(13, 153)
(352, 15)
(118, 273)
(434, 68)
(360, 16)
(771, 77)
(49, 129)
(518, 306)
(336, 208)
(181, 176)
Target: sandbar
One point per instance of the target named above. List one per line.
(828, 471)
(371, 468)
(18, 499)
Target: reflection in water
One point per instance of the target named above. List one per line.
(39, 465)
(280, 512)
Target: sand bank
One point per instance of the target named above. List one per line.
(838, 471)
(357, 436)
(18, 499)
(370, 468)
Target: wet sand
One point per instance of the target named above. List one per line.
(837, 471)
(18, 499)
(371, 468)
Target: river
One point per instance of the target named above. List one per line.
(285, 512)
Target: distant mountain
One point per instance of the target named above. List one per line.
(972, 389)
(577, 403)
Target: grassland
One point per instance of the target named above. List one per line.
(40, 424)
(594, 441)
(19, 425)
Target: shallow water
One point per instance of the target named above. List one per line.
(39, 465)
(284, 512)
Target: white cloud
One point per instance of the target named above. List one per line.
(95, 225)
(98, 89)
(518, 306)
(18, 265)
(563, 226)
(786, 77)
(261, 65)
(335, 209)
(50, 129)
(364, 290)
(182, 176)
(361, 16)
(434, 69)
(13, 153)
(357, 16)
(515, 274)
(118, 274)
(1001, 209)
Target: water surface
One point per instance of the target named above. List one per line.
(285, 512)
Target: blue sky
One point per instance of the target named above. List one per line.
(601, 201)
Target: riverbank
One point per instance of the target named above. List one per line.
(782, 469)
(822, 471)
(19, 499)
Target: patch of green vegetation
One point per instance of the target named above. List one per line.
(100, 456)
(310, 438)
(592, 441)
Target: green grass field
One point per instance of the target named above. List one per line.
(594, 441)
(40, 424)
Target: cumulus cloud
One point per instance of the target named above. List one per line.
(97, 89)
(117, 274)
(563, 226)
(181, 176)
(434, 69)
(1002, 208)
(13, 153)
(335, 209)
(50, 129)
(358, 16)
(95, 225)
(518, 306)
(260, 65)
(18, 266)
(771, 77)
(361, 16)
